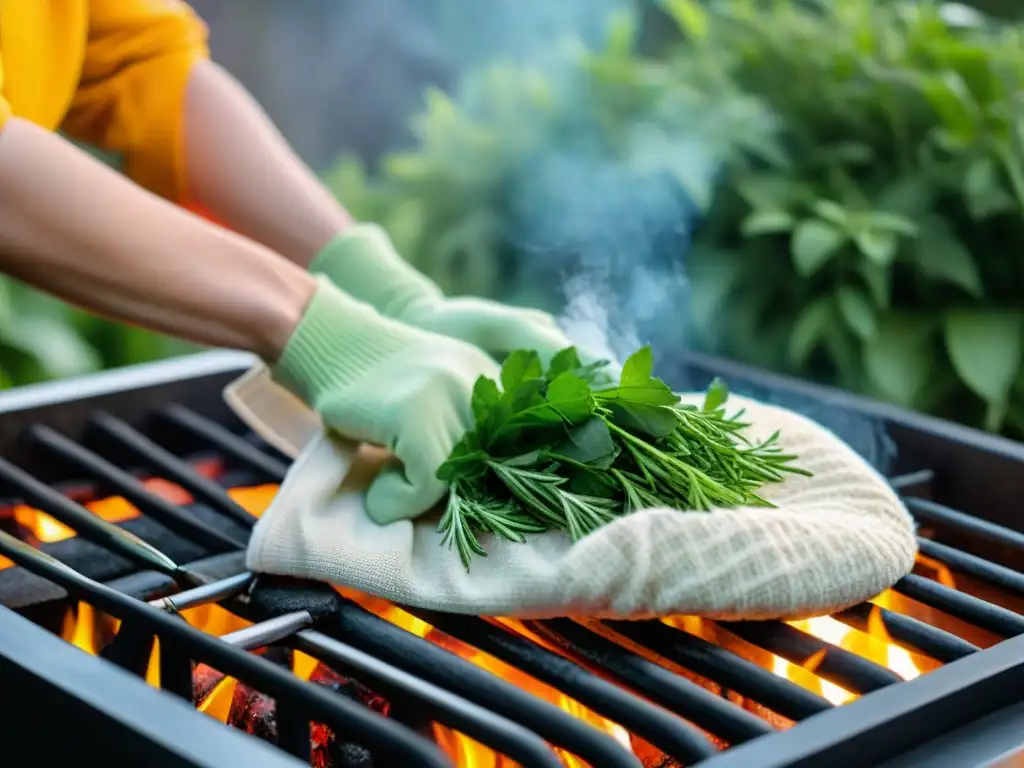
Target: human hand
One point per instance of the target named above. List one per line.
(363, 262)
(379, 381)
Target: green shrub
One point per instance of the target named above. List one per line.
(867, 224)
(885, 253)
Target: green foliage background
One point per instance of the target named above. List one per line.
(866, 228)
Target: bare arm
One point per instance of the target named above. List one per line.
(73, 227)
(240, 168)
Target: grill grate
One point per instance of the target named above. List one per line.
(193, 558)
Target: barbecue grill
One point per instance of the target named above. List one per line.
(130, 630)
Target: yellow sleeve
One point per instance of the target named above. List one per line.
(131, 96)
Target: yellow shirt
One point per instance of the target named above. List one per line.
(111, 73)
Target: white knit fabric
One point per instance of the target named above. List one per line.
(834, 539)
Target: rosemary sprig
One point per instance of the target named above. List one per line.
(556, 450)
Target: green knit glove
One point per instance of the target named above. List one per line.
(364, 263)
(382, 382)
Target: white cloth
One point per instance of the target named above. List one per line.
(835, 539)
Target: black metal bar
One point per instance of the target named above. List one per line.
(169, 466)
(669, 733)
(971, 609)
(498, 733)
(125, 720)
(211, 592)
(389, 739)
(723, 667)
(355, 626)
(837, 665)
(909, 633)
(82, 521)
(293, 734)
(674, 692)
(876, 728)
(932, 512)
(131, 648)
(175, 670)
(964, 562)
(225, 441)
(270, 631)
(170, 515)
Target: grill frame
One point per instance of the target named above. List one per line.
(128, 717)
(926, 708)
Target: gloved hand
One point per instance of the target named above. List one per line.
(379, 381)
(364, 263)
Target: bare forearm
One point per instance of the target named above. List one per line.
(242, 170)
(74, 228)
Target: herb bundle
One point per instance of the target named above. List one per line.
(568, 450)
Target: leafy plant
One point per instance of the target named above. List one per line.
(882, 254)
(562, 449)
(868, 214)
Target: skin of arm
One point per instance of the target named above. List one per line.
(77, 229)
(242, 170)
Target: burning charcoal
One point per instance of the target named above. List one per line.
(349, 688)
(204, 680)
(253, 712)
(328, 750)
(650, 756)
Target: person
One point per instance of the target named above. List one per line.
(342, 320)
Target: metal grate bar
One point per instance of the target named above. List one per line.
(502, 735)
(175, 671)
(971, 609)
(379, 734)
(674, 692)
(225, 441)
(203, 595)
(171, 516)
(83, 522)
(131, 648)
(985, 570)
(672, 735)
(723, 667)
(837, 665)
(123, 718)
(937, 513)
(912, 479)
(169, 466)
(357, 627)
(910, 633)
(293, 734)
(401, 688)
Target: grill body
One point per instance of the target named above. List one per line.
(961, 485)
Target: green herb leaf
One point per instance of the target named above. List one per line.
(648, 419)
(856, 311)
(985, 348)
(900, 358)
(814, 243)
(589, 443)
(565, 361)
(570, 397)
(941, 255)
(485, 397)
(637, 369)
(549, 453)
(717, 394)
(522, 365)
